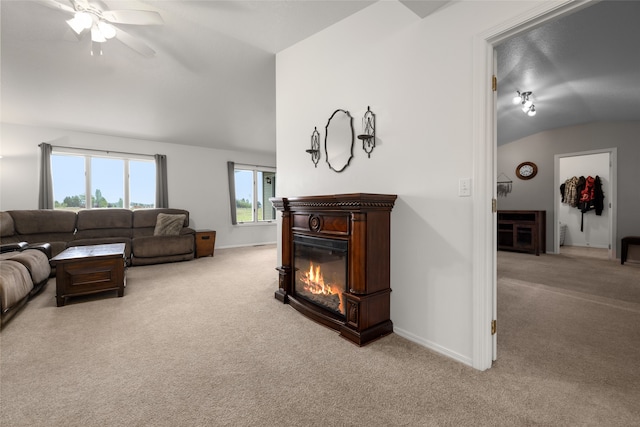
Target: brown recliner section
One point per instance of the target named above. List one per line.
(104, 226)
(149, 249)
(23, 273)
(38, 226)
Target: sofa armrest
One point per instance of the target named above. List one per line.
(187, 230)
(43, 247)
(12, 247)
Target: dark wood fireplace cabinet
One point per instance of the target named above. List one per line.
(348, 229)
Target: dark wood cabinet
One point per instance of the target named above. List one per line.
(522, 231)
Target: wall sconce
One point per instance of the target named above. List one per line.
(315, 147)
(368, 136)
(524, 99)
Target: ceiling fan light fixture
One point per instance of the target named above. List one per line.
(84, 18)
(517, 99)
(532, 111)
(96, 35)
(75, 25)
(107, 30)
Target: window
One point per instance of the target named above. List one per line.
(83, 180)
(253, 187)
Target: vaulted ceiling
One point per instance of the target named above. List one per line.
(212, 80)
(581, 68)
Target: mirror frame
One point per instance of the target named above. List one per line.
(326, 135)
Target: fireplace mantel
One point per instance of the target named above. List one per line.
(363, 221)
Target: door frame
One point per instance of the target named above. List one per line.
(612, 196)
(484, 274)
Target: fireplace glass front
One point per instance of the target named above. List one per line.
(320, 266)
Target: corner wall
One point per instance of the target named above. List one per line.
(413, 73)
(197, 177)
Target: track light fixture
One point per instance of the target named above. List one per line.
(524, 100)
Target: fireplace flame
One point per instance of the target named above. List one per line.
(314, 283)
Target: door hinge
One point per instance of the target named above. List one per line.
(494, 327)
(494, 205)
(494, 84)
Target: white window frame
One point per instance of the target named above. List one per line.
(255, 170)
(89, 154)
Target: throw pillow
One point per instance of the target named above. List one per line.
(169, 225)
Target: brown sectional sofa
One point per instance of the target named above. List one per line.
(24, 271)
(63, 229)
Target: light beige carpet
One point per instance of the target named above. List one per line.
(204, 343)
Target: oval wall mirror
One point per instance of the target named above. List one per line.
(338, 140)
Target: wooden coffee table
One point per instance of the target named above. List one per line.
(82, 270)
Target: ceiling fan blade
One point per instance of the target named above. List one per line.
(133, 17)
(135, 44)
(53, 4)
(83, 3)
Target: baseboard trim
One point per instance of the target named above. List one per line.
(433, 346)
(246, 245)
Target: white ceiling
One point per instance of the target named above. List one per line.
(581, 68)
(212, 81)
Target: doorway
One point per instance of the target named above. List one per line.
(550, 186)
(586, 234)
(485, 332)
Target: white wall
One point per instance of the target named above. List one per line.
(197, 176)
(595, 229)
(417, 76)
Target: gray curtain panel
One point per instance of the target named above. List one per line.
(162, 192)
(45, 196)
(231, 168)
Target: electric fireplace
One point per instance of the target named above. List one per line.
(335, 261)
(320, 267)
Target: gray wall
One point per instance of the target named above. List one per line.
(540, 192)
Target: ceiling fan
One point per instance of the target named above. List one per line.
(102, 23)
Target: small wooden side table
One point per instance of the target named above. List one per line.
(205, 242)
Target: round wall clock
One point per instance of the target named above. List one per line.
(526, 170)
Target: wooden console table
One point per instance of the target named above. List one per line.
(522, 231)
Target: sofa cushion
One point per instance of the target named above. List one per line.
(168, 225)
(15, 283)
(146, 218)
(36, 262)
(43, 221)
(92, 219)
(155, 246)
(104, 224)
(6, 225)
